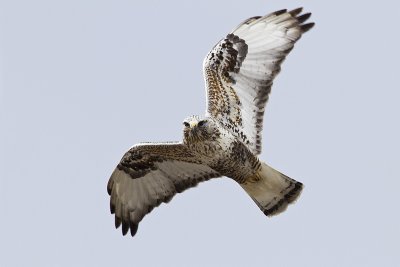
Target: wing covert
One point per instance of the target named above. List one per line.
(148, 175)
(240, 69)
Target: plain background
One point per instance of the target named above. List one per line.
(82, 81)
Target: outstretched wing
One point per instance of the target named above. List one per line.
(149, 174)
(240, 69)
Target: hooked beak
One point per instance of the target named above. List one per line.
(193, 124)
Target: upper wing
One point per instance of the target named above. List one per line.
(240, 69)
(149, 174)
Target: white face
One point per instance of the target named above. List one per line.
(194, 121)
(196, 128)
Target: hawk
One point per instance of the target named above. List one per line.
(239, 72)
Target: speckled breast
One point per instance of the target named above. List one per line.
(232, 159)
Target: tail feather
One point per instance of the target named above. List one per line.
(271, 190)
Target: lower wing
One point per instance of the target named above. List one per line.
(148, 175)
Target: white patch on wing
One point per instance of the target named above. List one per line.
(260, 45)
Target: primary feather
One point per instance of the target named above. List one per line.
(239, 73)
(240, 69)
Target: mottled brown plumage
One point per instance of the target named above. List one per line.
(239, 72)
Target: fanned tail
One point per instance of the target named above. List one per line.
(271, 190)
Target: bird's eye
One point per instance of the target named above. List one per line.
(201, 123)
(186, 124)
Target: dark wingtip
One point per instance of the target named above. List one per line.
(125, 227)
(279, 12)
(134, 228)
(117, 222)
(112, 208)
(303, 17)
(307, 27)
(109, 186)
(296, 11)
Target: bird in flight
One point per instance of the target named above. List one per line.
(226, 141)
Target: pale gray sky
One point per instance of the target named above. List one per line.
(82, 81)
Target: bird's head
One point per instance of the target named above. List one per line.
(197, 129)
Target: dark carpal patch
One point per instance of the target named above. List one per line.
(140, 160)
(224, 59)
(238, 82)
(136, 164)
(224, 76)
(228, 56)
(145, 158)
